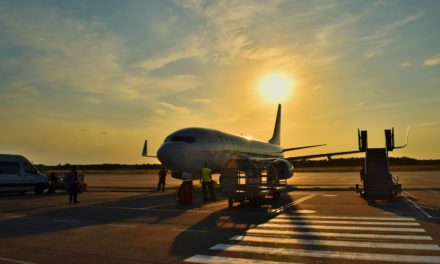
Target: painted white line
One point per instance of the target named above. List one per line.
(228, 260)
(118, 225)
(331, 234)
(66, 221)
(414, 206)
(265, 239)
(311, 221)
(346, 217)
(15, 261)
(368, 228)
(330, 195)
(328, 254)
(284, 207)
(189, 230)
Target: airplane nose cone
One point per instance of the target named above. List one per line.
(163, 153)
(167, 154)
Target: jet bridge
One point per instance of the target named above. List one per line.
(377, 181)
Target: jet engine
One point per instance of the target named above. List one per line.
(279, 169)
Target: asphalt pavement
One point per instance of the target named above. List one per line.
(123, 219)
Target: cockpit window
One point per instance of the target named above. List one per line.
(181, 138)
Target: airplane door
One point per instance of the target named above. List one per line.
(10, 179)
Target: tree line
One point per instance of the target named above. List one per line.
(339, 162)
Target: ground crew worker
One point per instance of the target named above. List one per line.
(206, 181)
(72, 183)
(162, 177)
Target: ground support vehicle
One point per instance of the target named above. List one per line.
(251, 185)
(58, 181)
(18, 174)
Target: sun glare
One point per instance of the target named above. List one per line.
(275, 87)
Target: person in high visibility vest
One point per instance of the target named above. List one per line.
(206, 181)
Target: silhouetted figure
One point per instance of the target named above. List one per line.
(73, 182)
(162, 178)
(207, 182)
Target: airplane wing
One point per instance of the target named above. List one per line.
(303, 147)
(327, 155)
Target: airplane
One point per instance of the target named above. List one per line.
(185, 152)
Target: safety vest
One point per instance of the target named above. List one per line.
(206, 175)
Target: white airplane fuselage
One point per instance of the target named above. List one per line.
(187, 150)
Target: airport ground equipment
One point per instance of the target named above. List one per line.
(185, 193)
(250, 184)
(58, 181)
(377, 181)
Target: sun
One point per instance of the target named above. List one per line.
(275, 87)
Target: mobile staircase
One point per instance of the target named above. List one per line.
(377, 181)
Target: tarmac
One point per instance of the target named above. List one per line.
(123, 219)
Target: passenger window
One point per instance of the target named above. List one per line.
(29, 168)
(9, 167)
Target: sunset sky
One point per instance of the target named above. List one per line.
(88, 81)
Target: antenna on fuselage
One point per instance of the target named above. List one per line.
(276, 131)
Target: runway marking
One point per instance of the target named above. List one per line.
(188, 230)
(413, 205)
(329, 234)
(293, 241)
(311, 221)
(284, 207)
(128, 226)
(328, 254)
(227, 260)
(66, 221)
(369, 228)
(15, 261)
(346, 217)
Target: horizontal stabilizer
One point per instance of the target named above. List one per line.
(303, 147)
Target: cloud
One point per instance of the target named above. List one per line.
(201, 100)
(405, 65)
(429, 124)
(178, 109)
(18, 90)
(434, 60)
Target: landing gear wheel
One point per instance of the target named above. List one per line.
(230, 202)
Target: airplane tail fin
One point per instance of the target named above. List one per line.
(276, 131)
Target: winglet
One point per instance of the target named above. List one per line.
(145, 151)
(276, 131)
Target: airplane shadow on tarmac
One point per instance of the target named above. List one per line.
(227, 222)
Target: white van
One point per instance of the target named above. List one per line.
(17, 174)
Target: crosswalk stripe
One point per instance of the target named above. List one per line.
(346, 217)
(335, 243)
(368, 228)
(328, 254)
(327, 234)
(278, 220)
(228, 260)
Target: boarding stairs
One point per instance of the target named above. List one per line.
(377, 180)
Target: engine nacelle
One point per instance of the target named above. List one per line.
(280, 169)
